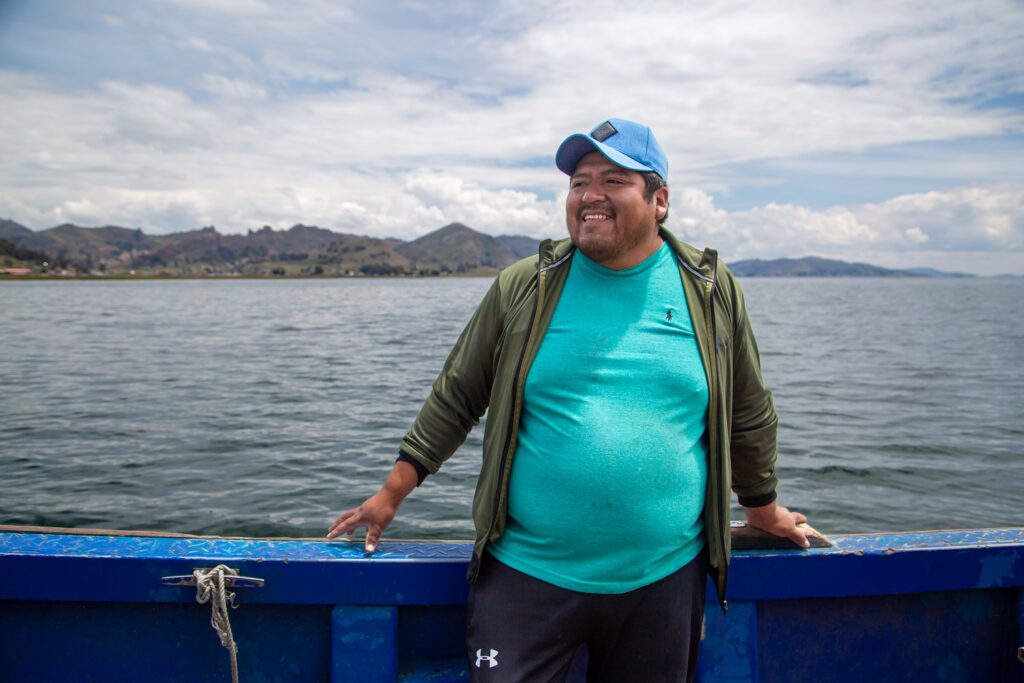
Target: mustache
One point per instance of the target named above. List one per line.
(602, 207)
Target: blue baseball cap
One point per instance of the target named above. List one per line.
(624, 143)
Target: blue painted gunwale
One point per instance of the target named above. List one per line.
(81, 566)
(919, 606)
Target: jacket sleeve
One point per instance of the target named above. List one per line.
(461, 393)
(754, 428)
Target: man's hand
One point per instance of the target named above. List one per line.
(375, 514)
(778, 521)
(379, 509)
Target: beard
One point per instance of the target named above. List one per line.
(605, 241)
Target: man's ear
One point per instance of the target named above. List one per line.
(660, 202)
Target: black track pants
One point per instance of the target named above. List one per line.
(524, 629)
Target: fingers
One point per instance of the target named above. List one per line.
(779, 521)
(793, 533)
(798, 537)
(372, 537)
(350, 520)
(346, 523)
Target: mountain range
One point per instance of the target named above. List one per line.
(305, 250)
(300, 250)
(813, 266)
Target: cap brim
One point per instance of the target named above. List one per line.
(579, 145)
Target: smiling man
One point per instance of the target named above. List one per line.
(625, 398)
(610, 213)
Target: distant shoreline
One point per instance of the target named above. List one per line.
(309, 252)
(221, 278)
(102, 278)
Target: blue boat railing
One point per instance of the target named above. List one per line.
(95, 606)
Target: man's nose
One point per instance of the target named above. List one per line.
(593, 193)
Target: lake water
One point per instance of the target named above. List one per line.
(260, 407)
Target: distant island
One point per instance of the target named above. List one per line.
(308, 251)
(813, 266)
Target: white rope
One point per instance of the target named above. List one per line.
(210, 587)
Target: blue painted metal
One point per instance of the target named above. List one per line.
(364, 644)
(130, 569)
(734, 658)
(921, 637)
(101, 642)
(882, 564)
(910, 607)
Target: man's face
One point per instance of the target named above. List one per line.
(606, 213)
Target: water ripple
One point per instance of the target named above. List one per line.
(265, 407)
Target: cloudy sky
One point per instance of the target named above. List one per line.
(888, 132)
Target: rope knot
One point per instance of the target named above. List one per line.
(212, 588)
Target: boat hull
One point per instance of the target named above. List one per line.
(94, 606)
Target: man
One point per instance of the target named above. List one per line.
(625, 397)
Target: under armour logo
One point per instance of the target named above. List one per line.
(491, 659)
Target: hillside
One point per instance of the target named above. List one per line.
(9, 229)
(456, 248)
(311, 250)
(12, 256)
(238, 253)
(521, 246)
(89, 248)
(812, 266)
(932, 272)
(300, 250)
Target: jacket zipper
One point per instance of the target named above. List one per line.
(713, 445)
(709, 316)
(502, 462)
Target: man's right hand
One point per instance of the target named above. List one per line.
(375, 514)
(379, 509)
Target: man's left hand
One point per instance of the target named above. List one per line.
(778, 521)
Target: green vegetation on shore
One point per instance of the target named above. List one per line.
(303, 251)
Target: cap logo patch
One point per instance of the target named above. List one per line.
(604, 131)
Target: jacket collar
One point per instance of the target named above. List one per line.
(552, 251)
(704, 264)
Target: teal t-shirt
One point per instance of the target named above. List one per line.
(609, 474)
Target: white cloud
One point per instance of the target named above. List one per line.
(963, 218)
(290, 66)
(239, 7)
(500, 211)
(354, 118)
(915, 235)
(773, 230)
(201, 44)
(155, 117)
(895, 232)
(744, 81)
(219, 56)
(231, 87)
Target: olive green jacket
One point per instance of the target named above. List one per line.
(488, 365)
